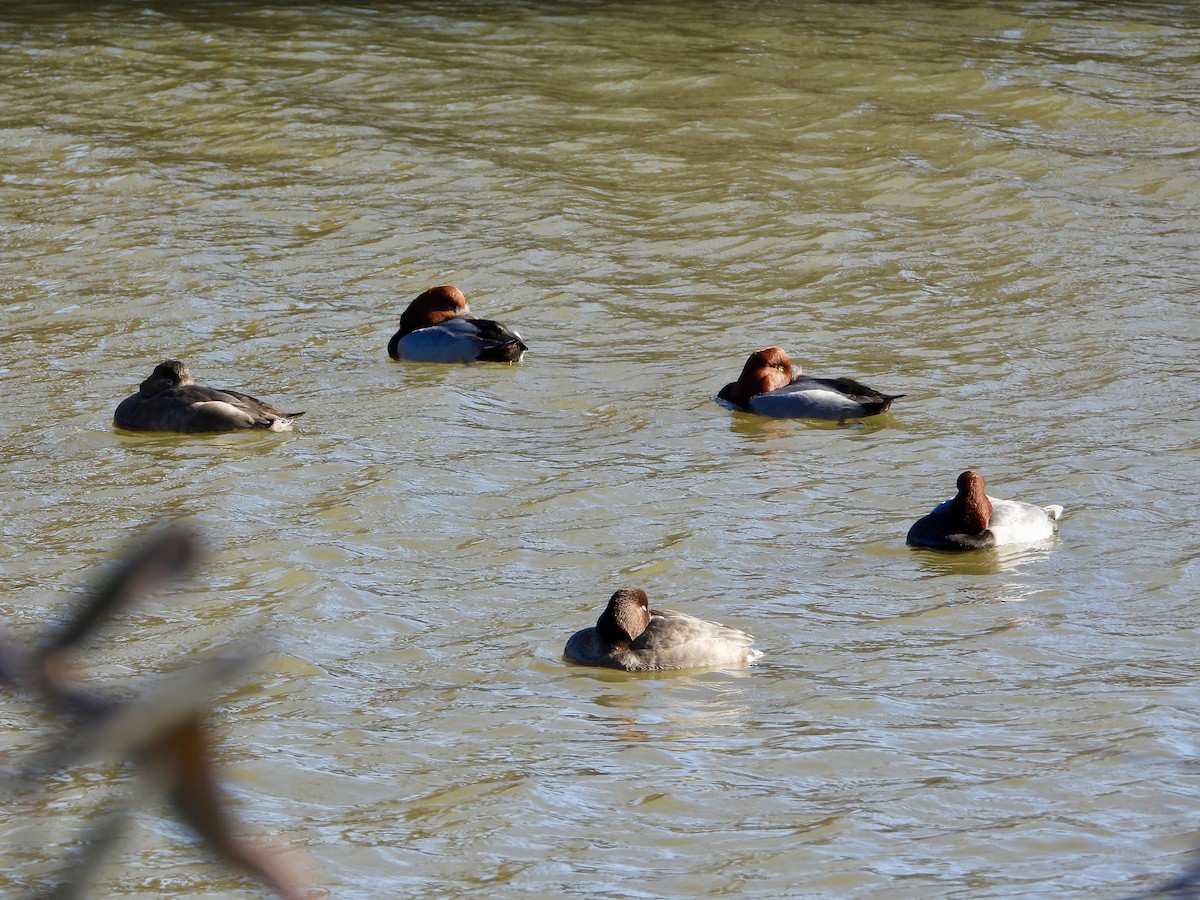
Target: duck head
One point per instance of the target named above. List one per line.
(766, 370)
(433, 307)
(971, 507)
(625, 617)
(170, 373)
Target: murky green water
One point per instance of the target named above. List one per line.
(991, 209)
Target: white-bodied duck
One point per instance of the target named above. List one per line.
(770, 386)
(971, 520)
(438, 327)
(630, 636)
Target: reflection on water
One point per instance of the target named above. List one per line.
(989, 209)
(982, 562)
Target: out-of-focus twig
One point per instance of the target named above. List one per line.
(162, 734)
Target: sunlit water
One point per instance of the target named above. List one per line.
(992, 210)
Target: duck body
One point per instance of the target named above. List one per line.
(972, 520)
(770, 386)
(169, 400)
(821, 398)
(438, 327)
(630, 636)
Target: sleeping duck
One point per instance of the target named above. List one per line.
(438, 327)
(770, 386)
(971, 520)
(630, 636)
(169, 400)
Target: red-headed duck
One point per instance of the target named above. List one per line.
(770, 386)
(971, 520)
(630, 636)
(169, 400)
(438, 327)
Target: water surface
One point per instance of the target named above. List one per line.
(990, 209)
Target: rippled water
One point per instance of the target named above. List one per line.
(992, 210)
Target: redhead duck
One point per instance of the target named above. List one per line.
(438, 327)
(769, 386)
(630, 636)
(971, 520)
(169, 400)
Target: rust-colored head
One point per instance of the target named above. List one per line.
(971, 507)
(766, 370)
(433, 307)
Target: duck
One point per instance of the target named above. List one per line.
(438, 327)
(631, 636)
(971, 520)
(170, 400)
(770, 386)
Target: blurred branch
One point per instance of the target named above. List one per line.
(161, 734)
